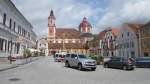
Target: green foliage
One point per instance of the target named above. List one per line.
(98, 58)
(27, 53)
(86, 45)
(35, 54)
(95, 42)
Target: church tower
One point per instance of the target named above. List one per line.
(85, 26)
(51, 25)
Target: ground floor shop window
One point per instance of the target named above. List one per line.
(145, 54)
(133, 54)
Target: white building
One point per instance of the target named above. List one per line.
(128, 40)
(42, 46)
(16, 33)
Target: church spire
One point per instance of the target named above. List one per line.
(51, 13)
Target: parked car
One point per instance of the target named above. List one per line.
(80, 61)
(59, 57)
(143, 62)
(121, 63)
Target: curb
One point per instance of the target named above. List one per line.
(8, 68)
(18, 65)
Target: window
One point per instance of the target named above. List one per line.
(73, 41)
(19, 29)
(14, 25)
(68, 55)
(1, 44)
(127, 45)
(73, 55)
(132, 54)
(132, 44)
(4, 19)
(54, 41)
(59, 41)
(5, 45)
(128, 34)
(66, 41)
(122, 35)
(10, 23)
(145, 54)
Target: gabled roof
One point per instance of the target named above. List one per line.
(67, 33)
(101, 34)
(145, 25)
(134, 27)
(66, 46)
(115, 31)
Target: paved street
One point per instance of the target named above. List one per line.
(45, 71)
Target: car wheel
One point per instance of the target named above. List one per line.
(93, 69)
(67, 64)
(124, 68)
(80, 67)
(106, 66)
(132, 69)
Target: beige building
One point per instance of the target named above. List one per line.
(145, 40)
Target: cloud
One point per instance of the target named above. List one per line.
(69, 13)
(125, 11)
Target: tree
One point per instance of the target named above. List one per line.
(27, 53)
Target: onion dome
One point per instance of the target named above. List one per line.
(85, 23)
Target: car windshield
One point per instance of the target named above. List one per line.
(83, 56)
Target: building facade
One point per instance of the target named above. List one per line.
(144, 40)
(16, 33)
(128, 40)
(42, 46)
(108, 42)
(68, 39)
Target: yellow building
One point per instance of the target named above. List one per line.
(145, 40)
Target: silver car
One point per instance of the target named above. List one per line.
(80, 61)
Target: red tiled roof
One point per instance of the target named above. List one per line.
(67, 33)
(134, 27)
(115, 31)
(66, 46)
(101, 34)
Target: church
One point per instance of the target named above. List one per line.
(69, 40)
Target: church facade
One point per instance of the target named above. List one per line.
(69, 40)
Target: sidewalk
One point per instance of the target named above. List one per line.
(7, 65)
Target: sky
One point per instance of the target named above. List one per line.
(69, 13)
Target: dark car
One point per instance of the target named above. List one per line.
(121, 63)
(143, 62)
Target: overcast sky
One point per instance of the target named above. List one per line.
(69, 13)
